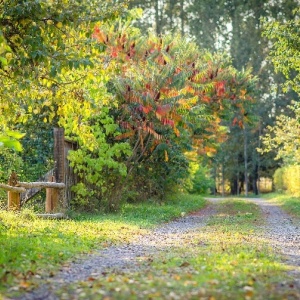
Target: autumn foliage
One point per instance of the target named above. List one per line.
(171, 94)
(165, 81)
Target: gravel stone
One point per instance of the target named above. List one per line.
(280, 230)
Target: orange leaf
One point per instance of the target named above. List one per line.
(114, 52)
(162, 110)
(166, 121)
(99, 35)
(147, 109)
(220, 87)
(24, 284)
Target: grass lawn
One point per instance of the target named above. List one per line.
(33, 248)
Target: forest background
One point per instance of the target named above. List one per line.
(171, 99)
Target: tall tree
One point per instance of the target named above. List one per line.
(47, 56)
(235, 26)
(283, 137)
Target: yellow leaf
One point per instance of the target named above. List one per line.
(110, 279)
(24, 284)
(177, 132)
(166, 156)
(8, 55)
(47, 103)
(45, 120)
(59, 25)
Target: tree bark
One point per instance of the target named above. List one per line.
(182, 16)
(223, 181)
(246, 162)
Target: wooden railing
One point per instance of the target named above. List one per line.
(15, 188)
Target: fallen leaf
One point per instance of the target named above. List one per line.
(185, 264)
(91, 279)
(249, 291)
(214, 282)
(24, 284)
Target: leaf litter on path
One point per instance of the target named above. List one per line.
(121, 267)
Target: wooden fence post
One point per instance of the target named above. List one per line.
(13, 197)
(59, 159)
(51, 198)
(71, 178)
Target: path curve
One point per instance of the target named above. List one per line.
(125, 257)
(280, 230)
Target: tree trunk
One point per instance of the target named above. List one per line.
(246, 162)
(182, 16)
(223, 181)
(59, 162)
(157, 21)
(237, 184)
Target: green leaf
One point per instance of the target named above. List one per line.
(15, 134)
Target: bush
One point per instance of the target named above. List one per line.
(202, 182)
(288, 179)
(278, 180)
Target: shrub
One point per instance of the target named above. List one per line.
(202, 182)
(288, 179)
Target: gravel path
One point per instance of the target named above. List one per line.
(282, 233)
(124, 258)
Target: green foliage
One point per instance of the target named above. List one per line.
(284, 137)
(42, 45)
(173, 97)
(47, 57)
(97, 162)
(278, 179)
(285, 51)
(10, 161)
(287, 179)
(202, 183)
(10, 139)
